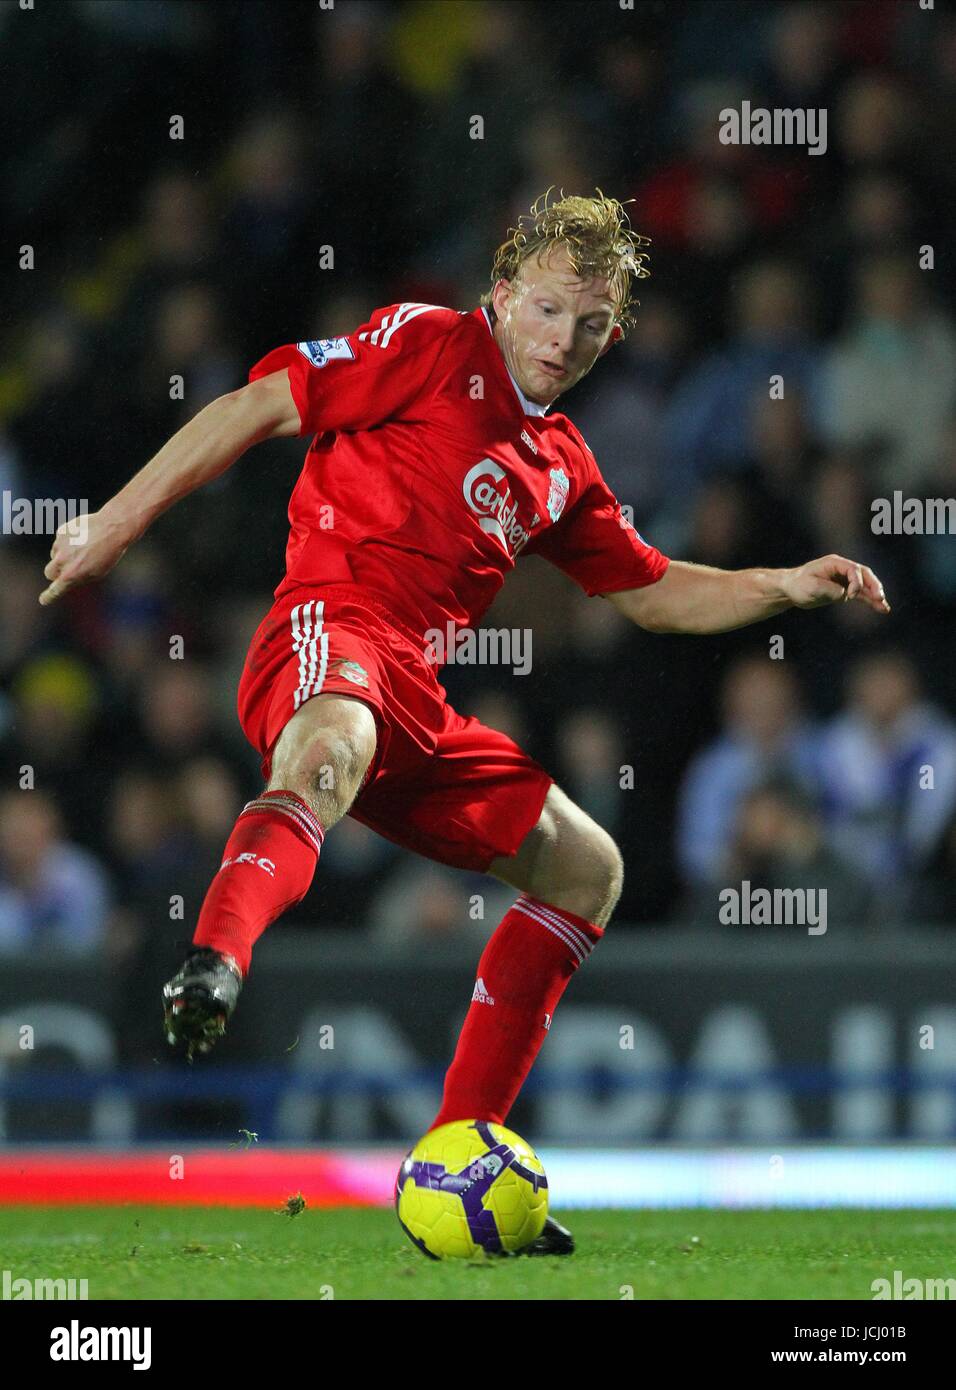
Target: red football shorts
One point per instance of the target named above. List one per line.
(444, 786)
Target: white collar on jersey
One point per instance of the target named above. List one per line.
(529, 407)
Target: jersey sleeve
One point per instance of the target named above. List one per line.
(367, 377)
(596, 546)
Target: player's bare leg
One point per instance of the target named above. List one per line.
(323, 754)
(318, 765)
(568, 861)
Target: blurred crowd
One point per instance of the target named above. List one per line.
(816, 750)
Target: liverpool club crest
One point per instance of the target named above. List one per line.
(558, 492)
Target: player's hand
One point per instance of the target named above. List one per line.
(83, 549)
(833, 579)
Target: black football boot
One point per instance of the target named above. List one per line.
(555, 1239)
(199, 999)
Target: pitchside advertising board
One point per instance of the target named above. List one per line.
(662, 1036)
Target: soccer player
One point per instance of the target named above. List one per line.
(435, 463)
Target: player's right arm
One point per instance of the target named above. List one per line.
(212, 441)
(327, 384)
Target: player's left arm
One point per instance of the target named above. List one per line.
(692, 598)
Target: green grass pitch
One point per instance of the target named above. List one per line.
(134, 1252)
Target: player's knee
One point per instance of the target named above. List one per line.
(605, 875)
(586, 869)
(324, 759)
(333, 762)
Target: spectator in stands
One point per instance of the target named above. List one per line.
(779, 841)
(178, 719)
(57, 386)
(22, 630)
(52, 739)
(839, 502)
(783, 458)
(714, 527)
(711, 413)
(134, 619)
(591, 752)
(145, 844)
(875, 213)
(187, 360)
(874, 123)
(53, 895)
(357, 863)
(802, 59)
(890, 382)
(621, 412)
(426, 902)
(765, 735)
(888, 770)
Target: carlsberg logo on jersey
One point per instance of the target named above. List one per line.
(487, 493)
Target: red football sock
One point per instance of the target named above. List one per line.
(522, 974)
(267, 866)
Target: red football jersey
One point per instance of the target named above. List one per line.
(430, 472)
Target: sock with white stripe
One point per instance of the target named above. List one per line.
(267, 866)
(522, 974)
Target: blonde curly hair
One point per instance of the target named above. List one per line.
(598, 238)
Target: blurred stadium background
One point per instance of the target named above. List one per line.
(691, 1061)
